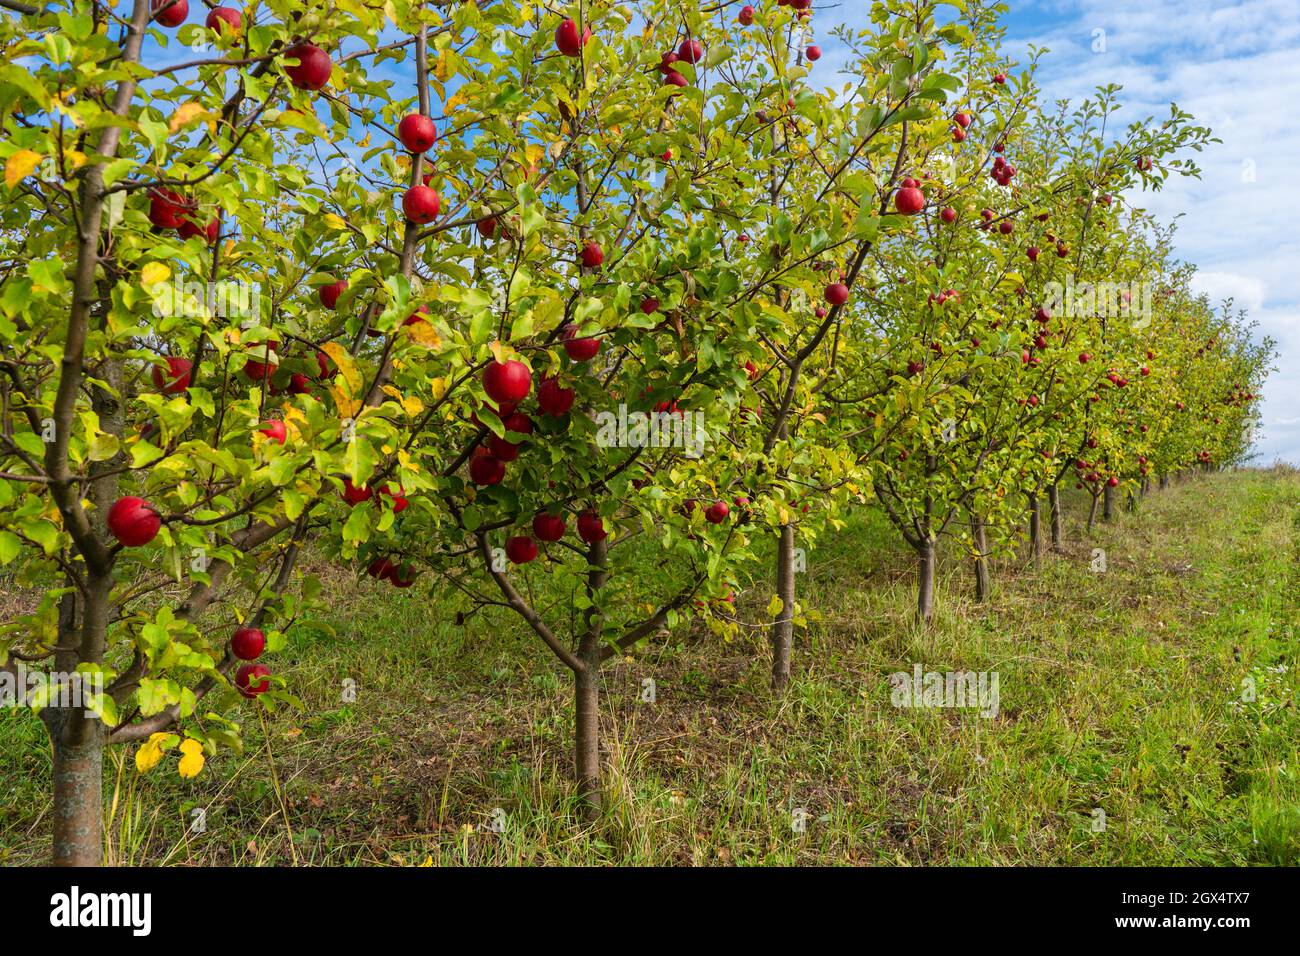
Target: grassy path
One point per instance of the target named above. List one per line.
(1146, 715)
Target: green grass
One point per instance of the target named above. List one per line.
(1120, 692)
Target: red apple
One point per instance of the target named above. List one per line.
(354, 495)
(548, 527)
(381, 568)
(814, 53)
(251, 680)
(691, 51)
(746, 15)
(417, 132)
(177, 377)
(247, 643)
(487, 227)
(170, 15)
(717, 512)
(592, 255)
(567, 39)
(553, 398)
(590, 528)
(517, 422)
(167, 208)
(649, 305)
(961, 119)
(521, 549)
(224, 18)
(329, 294)
(579, 349)
(313, 67)
(999, 78)
(507, 381)
(189, 229)
(398, 497)
(133, 521)
(416, 317)
(260, 372)
(402, 576)
(502, 449)
(274, 430)
(909, 200)
(837, 293)
(421, 204)
(485, 468)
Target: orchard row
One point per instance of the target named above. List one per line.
(478, 234)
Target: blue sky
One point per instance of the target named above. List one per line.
(1236, 68)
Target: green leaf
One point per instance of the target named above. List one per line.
(10, 546)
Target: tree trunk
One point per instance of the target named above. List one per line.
(586, 689)
(1164, 481)
(1035, 529)
(1092, 512)
(980, 540)
(1058, 523)
(783, 627)
(77, 739)
(78, 800)
(1107, 503)
(927, 551)
(586, 744)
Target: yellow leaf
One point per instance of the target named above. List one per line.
(345, 403)
(185, 115)
(439, 388)
(153, 273)
(150, 752)
(19, 165)
(335, 222)
(347, 398)
(423, 333)
(342, 360)
(191, 758)
(406, 461)
(413, 405)
(442, 69)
